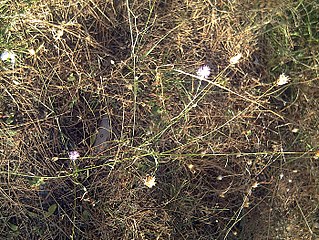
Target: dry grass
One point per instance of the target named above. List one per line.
(233, 155)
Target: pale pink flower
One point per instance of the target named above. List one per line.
(6, 55)
(73, 155)
(203, 71)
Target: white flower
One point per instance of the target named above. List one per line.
(32, 52)
(149, 181)
(5, 55)
(203, 72)
(8, 55)
(295, 130)
(234, 60)
(220, 177)
(282, 80)
(57, 34)
(73, 155)
(191, 168)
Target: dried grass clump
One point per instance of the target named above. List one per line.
(216, 146)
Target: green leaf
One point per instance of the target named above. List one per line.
(249, 133)
(10, 119)
(11, 133)
(71, 77)
(37, 181)
(92, 139)
(51, 210)
(13, 227)
(86, 215)
(32, 214)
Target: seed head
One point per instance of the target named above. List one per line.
(234, 60)
(149, 181)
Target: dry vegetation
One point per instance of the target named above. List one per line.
(234, 157)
